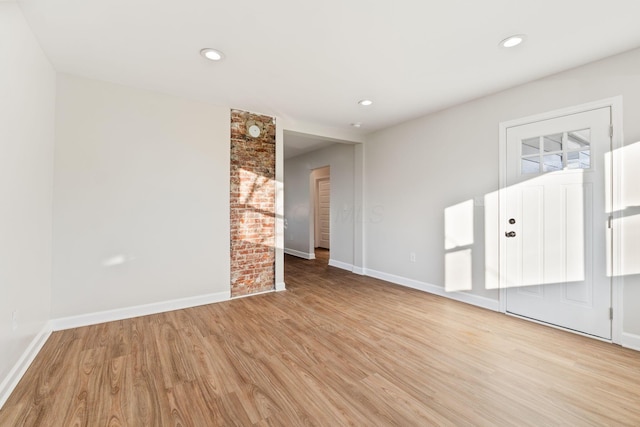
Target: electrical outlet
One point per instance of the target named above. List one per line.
(412, 257)
(14, 320)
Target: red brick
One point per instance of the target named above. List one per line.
(252, 202)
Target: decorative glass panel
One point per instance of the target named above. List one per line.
(552, 143)
(556, 152)
(579, 160)
(585, 159)
(579, 139)
(552, 162)
(573, 160)
(531, 164)
(530, 146)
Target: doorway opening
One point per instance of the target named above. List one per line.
(306, 156)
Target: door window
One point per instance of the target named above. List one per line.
(554, 152)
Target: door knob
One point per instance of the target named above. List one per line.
(510, 234)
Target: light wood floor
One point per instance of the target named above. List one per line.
(334, 349)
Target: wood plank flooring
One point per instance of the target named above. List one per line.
(334, 349)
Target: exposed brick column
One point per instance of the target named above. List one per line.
(252, 198)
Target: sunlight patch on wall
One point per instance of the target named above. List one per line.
(626, 210)
(630, 212)
(630, 262)
(491, 240)
(458, 236)
(458, 225)
(458, 273)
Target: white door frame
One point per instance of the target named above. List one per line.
(617, 280)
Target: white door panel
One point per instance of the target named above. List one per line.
(556, 259)
(323, 213)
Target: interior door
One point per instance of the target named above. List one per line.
(323, 213)
(555, 230)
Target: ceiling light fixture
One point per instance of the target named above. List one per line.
(365, 102)
(212, 54)
(356, 124)
(513, 41)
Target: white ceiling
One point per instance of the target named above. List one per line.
(312, 61)
(296, 144)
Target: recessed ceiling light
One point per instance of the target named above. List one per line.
(212, 54)
(365, 102)
(356, 124)
(513, 41)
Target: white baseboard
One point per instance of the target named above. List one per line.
(631, 341)
(437, 290)
(268, 291)
(11, 381)
(358, 270)
(299, 254)
(136, 311)
(340, 264)
(280, 286)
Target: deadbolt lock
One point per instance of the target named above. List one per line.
(512, 221)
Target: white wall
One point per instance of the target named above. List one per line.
(416, 170)
(298, 204)
(141, 198)
(27, 102)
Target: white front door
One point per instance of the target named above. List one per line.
(555, 232)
